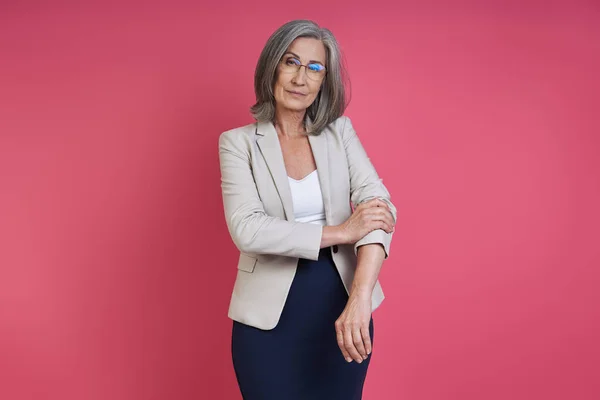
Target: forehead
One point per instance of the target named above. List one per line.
(308, 49)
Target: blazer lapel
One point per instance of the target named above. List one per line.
(268, 142)
(318, 145)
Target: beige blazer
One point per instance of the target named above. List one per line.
(260, 217)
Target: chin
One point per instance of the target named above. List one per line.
(295, 106)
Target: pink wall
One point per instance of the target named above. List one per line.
(115, 263)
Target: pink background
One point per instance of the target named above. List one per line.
(116, 267)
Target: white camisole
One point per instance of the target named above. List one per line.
(308, 199)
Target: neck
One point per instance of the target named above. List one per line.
(289, 123)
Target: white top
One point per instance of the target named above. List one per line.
(308, 199)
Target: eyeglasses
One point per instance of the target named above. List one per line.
(314, 71)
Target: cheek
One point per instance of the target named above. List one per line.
(314, 91)
(278, 89)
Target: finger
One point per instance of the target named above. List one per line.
(375, 222)
(366, 336)
(379, 224)
(358, 342)
(379, 211)
(376, 214)
(382, 204)
(384, 212)
(389, 219)
(388, 228)
(372, 203)
(379, 221)
(386, 216)
(363, 206)
(349, 343)
(340, 341)
(382, 224)
(390, 216)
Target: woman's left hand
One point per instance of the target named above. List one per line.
(352, 328)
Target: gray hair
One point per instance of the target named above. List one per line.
(331, 100)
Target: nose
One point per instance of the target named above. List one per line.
(300, 76)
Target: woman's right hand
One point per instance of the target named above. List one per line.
(367, 217)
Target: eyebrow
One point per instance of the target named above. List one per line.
(298, 57)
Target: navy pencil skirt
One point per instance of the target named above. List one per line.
(299, 359)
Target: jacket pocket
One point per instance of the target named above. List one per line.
(247, 263)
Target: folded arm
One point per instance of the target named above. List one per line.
(252, 230)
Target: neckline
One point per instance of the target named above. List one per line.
(303, 179)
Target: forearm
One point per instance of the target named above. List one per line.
(370, 260)
(257, 233)
(252, 230)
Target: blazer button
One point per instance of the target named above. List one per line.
(335, 248)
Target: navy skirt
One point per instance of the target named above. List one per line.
(299, 359)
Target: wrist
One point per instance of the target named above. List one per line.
(341, 235)
(332, 235)
(361, 292)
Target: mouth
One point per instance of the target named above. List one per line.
(296, 93)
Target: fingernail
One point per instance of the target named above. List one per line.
(348, 359)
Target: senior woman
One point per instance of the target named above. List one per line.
(307, 272)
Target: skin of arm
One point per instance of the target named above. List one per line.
(352, 327)
(331, 235)
(370, 260)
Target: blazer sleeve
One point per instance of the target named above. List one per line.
(251, 229)
(365, 184)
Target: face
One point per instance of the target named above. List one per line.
(296, 89)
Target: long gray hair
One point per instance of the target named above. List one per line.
(331, 100)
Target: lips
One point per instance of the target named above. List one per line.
(296, 93)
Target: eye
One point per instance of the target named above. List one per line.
(292, 61)
(316, 67)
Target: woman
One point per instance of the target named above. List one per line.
(307, 274)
